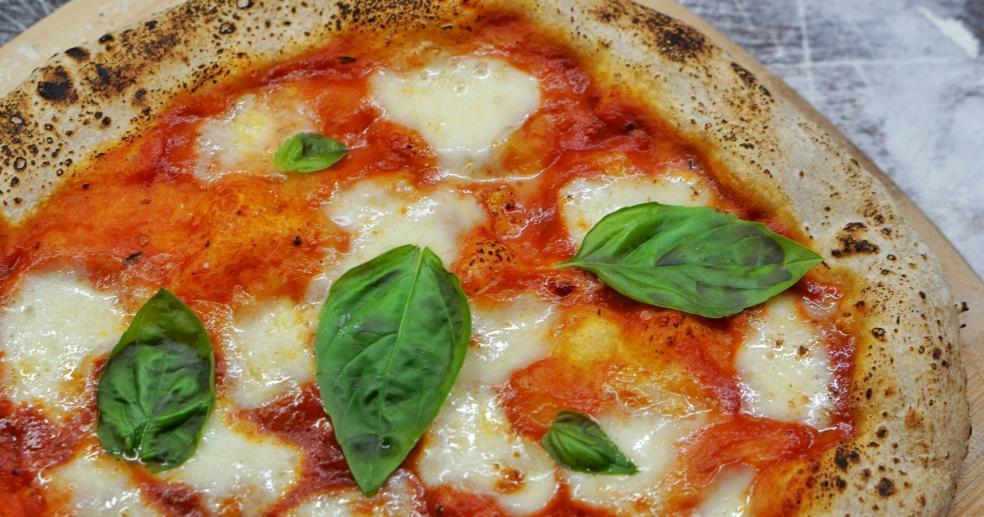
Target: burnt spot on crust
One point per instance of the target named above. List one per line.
(886, 487)
(851, 240)
(674, 40)
(56, 86)
(481, 264)
(77, 53)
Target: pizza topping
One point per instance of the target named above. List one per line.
(237, 467)
(95, 484)
(729, 495)
(269, 353)
(245, 137)
(158, 386)
(784, 366)
(380, 215)
(585, 201)
(509, 336)
(578, 443)
(464, 107)
(51, 331)
(308, 152)
(392, 336)
(473, 448)
(695, 260)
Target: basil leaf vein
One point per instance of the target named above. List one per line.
(391, 339)
(692, 259)
(158, 387)
(308, 152)
(578, 443)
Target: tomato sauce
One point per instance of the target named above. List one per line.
(138, 218)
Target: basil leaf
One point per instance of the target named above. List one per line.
(578, 443)
(158, 386)
(308, 152)
(392, 336)
(691, 259)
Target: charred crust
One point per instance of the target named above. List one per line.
(851, 240)
(885, 487)
(674, 40)
(77, 53)
(56, 86)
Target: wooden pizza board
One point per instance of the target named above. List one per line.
(84, 20)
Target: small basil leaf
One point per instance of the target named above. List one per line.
(158, 386)
(691, 259)
(308, 152)
(392, 336)
(578, 443)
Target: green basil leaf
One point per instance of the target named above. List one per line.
(691, 259)
(578, 443)
(158, 386)
(392, 336)
(308, 152)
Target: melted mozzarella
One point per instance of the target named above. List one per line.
(510, 336)
(729, 495)
(95, 484)
(585, 201)
(464, 107)
(51, 330)
(245, 137)
(237, 466)
(269, 351)
(398, 498)
(471, 447)
(380, 216)
(784, 367)
(648, 436)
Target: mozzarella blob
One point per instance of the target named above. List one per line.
(400, 497)
(509, 336)
(95, 484)
(237, 466)
(270, 351)
(464, 107)
(649, 437)
(472, 447)
(51, 330)
(585, 201)
(729, 495)
(381, 215)
(784, 367)
(246, 136)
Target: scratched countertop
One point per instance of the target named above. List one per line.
(903, 79)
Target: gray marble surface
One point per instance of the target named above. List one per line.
(904, 79)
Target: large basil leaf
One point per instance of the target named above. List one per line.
(308, 152)
(158, 386)
(392, 336)
(578, 443)
(691, 259)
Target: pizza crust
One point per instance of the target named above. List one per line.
(908, 382)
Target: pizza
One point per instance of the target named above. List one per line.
(524, 257)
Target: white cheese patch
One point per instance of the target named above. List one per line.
(729, 495)
(51, 330)
(270, 351)
(96, 484)
(464, 107)
(585, 201)
(649, 437)
(784, 367)
(510, 336)
(237, 465)
(245, 137)
(398, 498)
(380, 215)
(471, 447)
